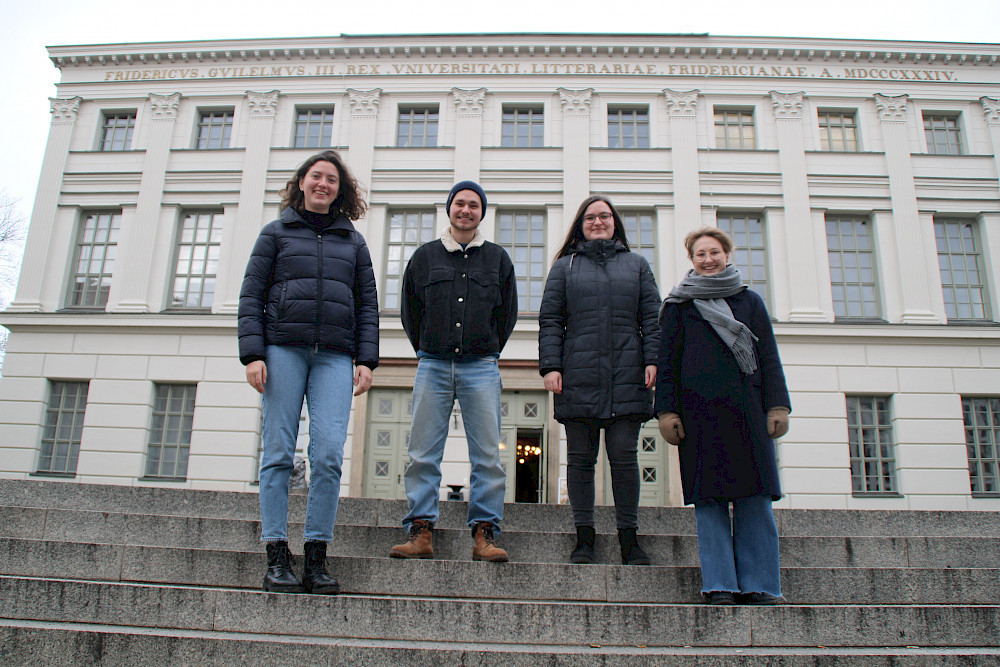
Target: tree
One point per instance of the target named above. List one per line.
(12, 234)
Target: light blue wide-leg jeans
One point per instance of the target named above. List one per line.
(738, 555)
(326, 381)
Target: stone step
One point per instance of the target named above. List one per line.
(48, 644)
(419, 618)
(468, 579)
(456, 544)
(517, 516)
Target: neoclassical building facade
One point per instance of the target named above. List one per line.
(859, 180)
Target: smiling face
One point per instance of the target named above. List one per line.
(598, 222)
(465, 213)
(320, 186)
(707, 256)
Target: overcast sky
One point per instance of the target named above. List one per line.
(29, 26)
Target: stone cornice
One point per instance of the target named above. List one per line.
(681, 48)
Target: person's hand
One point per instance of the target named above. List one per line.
(362, 379)
(777, 422)
(650, 376)
(553, 382)
(671, 428)
(257, 375)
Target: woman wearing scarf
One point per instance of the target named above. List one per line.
(597, 343)
(721, 398)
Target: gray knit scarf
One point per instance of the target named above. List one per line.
(708, 294)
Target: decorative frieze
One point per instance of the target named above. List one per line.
(575, 102)
(164, 106)
(891, 108)
(681, 103)
(262, 104)
(64, 109)
(787, 105)
(991, 108)
(469, 102)
(364, 102)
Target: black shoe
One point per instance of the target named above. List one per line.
(315, 578)
(632, 553)
(584, 551)
(720, 598)
(761, 599)
(280, 578)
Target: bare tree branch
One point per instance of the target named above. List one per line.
(13, 230)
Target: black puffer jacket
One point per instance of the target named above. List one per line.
(597, 326)
(304, 288)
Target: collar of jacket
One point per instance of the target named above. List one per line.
(597, 247)
(292, 218)
(451, 245)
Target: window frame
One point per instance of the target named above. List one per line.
(76, 417)
(129, 130)
(637, 237)
(228, 114)
(748, 278)
(955, 131)
(528, 283)
(110, 241)
(857, 253)
(825, 135)
(635, 123)
(533, 121)
(944, 222)
(726, 142)
(887, 466)
(325, 125)
(973, 432)
(431, 118)
(186, 425)
(214, 229)
(426, 228)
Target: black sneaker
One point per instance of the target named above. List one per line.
(761, 599)
(720, 598)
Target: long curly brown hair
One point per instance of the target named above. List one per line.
(350, 199)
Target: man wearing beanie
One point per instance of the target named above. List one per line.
(458, 309)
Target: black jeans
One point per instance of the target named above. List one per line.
(583, 443)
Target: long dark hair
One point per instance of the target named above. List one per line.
(350, 198)
(575, 233)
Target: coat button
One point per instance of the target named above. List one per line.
(458, 324)
(456, 350)
(460, 299)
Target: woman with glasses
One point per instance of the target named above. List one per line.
(597, 344)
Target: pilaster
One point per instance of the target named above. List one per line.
(682, 106)
(576, 149)
(991, 110)
(253, 186)
(130, 287)
(911, 237)
(361, 139)
(797, 266)
(34, 266)
(468, 132)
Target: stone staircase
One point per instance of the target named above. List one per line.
(93, 574)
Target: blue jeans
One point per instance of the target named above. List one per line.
(739, 556)
(476, 385)
(326, 381)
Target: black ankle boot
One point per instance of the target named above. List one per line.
(315, 578)
(584, 551)
(632, 553)
(280, 578)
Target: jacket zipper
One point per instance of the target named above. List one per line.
(319, 287)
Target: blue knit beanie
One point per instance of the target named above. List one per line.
(466, 185)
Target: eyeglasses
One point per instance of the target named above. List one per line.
(605, 216)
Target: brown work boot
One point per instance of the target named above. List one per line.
(418, 544)
(485, 549)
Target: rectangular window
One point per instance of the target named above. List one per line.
(418, 127)
(982, 438)
(63, 428)
(314, 128)
(961, 270)
(749, 252)
(522, 128)
(869, 435)
(522, 234)
(96, 245)
(215, 129)
(628, 128)
(641, 234)
(170, 431)
(852, 267)
(838, 131)
(734, 129)
(942, 134)
(197, 260)
(116, 132)
(408, 230)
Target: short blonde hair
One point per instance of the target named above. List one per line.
(723, 238)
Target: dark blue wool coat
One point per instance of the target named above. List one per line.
(304, 288)
(597, 326)
(726, 452)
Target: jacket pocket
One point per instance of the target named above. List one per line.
(484, 287)
(282, 294)
(437, 292)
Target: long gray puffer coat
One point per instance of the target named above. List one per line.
(598, 326)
